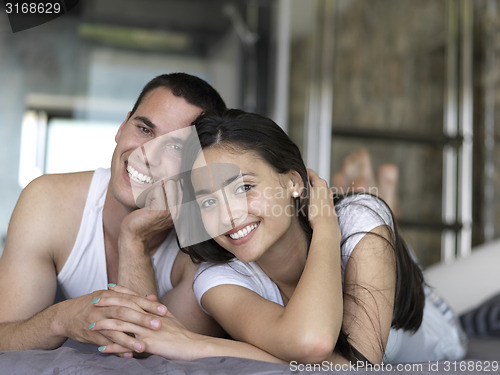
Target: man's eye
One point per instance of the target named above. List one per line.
(144, 129)
(207, 203)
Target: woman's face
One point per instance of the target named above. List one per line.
(246, 206)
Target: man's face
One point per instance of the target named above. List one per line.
(156, 162)
(141, 139)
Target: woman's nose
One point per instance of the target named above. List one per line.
(233, 211)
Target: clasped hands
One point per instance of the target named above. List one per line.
(113, 319)
(122, 322)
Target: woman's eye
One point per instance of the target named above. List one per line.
(207, 203)
(174, 147)
(244, 188)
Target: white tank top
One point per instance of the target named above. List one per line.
(85, 269)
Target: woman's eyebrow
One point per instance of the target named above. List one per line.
(224, 184)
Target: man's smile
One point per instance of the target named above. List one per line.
(138, 177)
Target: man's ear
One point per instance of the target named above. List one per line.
(118, 133)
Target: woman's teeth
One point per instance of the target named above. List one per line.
(137, 176)
(243, 232)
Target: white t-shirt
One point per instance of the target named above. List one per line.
(436, 339)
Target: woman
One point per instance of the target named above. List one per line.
(289, 273)
(277, 282)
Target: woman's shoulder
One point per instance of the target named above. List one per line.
(362, 212)
(234, 269)
(235, 272)
(234, 266)
(362, 203)
(359, 200)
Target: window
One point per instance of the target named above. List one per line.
(58, 143)
(79, 145)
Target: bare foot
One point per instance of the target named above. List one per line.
(387, 181)
(356, 174)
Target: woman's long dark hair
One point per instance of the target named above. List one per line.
(240, 131)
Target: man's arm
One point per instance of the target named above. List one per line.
(27, 271)
(40, 225)
(141, 231)
(135, 267)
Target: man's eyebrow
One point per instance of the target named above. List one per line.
(150, 124)
(224, 184)
(146, 121)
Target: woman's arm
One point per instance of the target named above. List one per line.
(306, 330)
(369, 289)
(172, 340)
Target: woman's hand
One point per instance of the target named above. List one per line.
(321, 207)
(169, 338)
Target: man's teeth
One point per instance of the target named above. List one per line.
(137, 176)
(243, 232)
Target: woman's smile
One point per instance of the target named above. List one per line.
(243, 233)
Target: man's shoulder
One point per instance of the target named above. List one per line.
(73, 186)
(48, 213)
(56, 197)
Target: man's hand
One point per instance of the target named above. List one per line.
(160, 211)
(78, 318)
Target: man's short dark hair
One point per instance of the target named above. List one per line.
(193, 89)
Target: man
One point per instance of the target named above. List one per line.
(82, 230)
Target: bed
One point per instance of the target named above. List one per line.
(76, 358)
